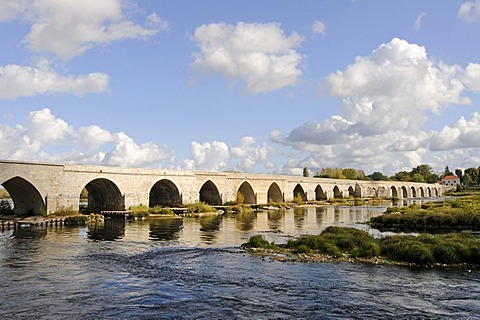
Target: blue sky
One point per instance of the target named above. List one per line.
(255, 86)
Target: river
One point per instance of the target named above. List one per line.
(193, 268)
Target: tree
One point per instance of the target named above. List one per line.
(378, 176)
(306, 172)
(459, 173)
(447, 172)
(417, 177)
(403, 176)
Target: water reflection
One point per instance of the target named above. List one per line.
(209, 228)
(165, 229)
(246, 221)
(29, 233)
(109, 230)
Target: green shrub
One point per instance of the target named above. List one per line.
(258, 241)
(76, 220)
(301, 249)
(162, 210)
(200, 207)
(63, 212)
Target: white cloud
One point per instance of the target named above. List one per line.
(45, 137)
(418, 22)
(463, 134)
(259, 54)
(69, 28)
(249, 153)
(207, 156)
(388, 97)
(127, 153)
(319, 27)
(19, 81)
(472, 77)
(470, 11)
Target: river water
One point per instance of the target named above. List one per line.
(193, 268)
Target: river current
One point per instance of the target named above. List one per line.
(193, 268)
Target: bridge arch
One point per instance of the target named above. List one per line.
(320, 194)
(209, 194)
(422, 192)
(337, 194)
(26, 197)
(274, 193)
(298, 191)
(404, 192)
(164, 193)
(104, 195)
(429, 192)
(394, 192)
(414, 192)
(436, 192)
(248, 194)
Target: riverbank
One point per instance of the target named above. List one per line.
(353, 245)
(286, 255)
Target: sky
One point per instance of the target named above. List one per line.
(268, 86)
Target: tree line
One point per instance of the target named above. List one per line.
(422, 173)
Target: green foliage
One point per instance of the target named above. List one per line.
(298, 199)
(258, 241)
(139, 212)
(200, 207)
(335, 240)
(306, 172)
(457, 214)
(63, 212)
(427, 249)
(5, 208)
(79, 220)
(378, 176)
(338, 173)
(162, 210)
(240, 198)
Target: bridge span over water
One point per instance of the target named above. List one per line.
(46, 187)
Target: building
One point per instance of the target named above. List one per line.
(450, 182)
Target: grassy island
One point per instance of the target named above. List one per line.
(349, 244)
(462, 213)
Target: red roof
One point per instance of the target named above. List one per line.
(450, 177)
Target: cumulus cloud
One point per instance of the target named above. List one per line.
(387, 99)
(43, 136)
(69, 28)
(20, 81)
(249, 153)
(470, 11)
(127, 153)
(208, 156)
(463, 134)
(318, 27)
(418, 22)
(259, 54)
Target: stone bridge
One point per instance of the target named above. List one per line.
(46, 187)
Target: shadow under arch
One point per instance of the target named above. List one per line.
(298, 191)
(274, 193)
(164, 193)
(414, 192)
(209, 194)
(25, 196)
(404, 192)
(247, 191)
(104, 195)
(337, 194)
(394, 192)
(422, 192)
(320, 194)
